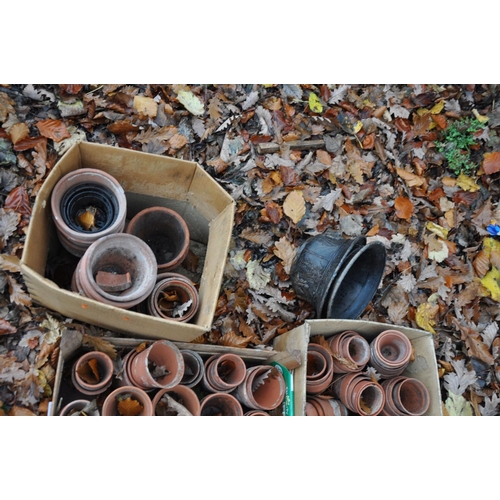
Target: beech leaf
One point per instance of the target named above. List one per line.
(314, 103)
(294, 206)
(491, 162)
(191, 102)
(53, 129)
(129, 407)
(145, 105)
(404, 207)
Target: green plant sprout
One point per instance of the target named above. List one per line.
(457, 139)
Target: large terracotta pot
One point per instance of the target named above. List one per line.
(119, 254)
(180, 393)
(91, 384)
(87, 204)
(165, 231)
(110, 405)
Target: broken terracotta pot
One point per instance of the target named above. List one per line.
(390, 353)
(319, 369)
(173, 297)
(166, 233)
(351, 352)
(223, 373)
(92, 373)
(131, 399)
(161, 366)
(120, 254)
(182, 395)
(87, 204)
(263, 388)
(220, 404)
(76, 407)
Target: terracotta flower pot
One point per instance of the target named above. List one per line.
(263, 388)
(111, 407)
(87, 204)
(390, 353)
(75, 407)
(181, 394)
(256, 413)
(352, 351)
(223, 373)
(330, 407)
(117, 254)
(311, 410)
(165, 231)
(220, 404)
(194, 368)
(92, 373)
(366, 398)
(406, 396)
(319, 369)
(174, 297)
(161, 366)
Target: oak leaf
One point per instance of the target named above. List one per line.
(404, 207)
(285, 251)
(17, 294)
(294, 206)
(426, 314)
(53, 129)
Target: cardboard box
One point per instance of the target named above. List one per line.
(289, 350)
(148, 180)
(423, 368)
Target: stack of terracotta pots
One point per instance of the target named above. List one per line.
(161, 379)
(123, 266)
(352, 389)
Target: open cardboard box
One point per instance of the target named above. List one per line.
(423, 368)
(288, 350)
(148, 180)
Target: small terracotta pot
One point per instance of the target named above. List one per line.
(311, 410)
(330, 407)
(405, 396)
(165, 231)
(319, 369)
(220, 404)
(109, 407)
(366, 398)
(105, 373)
(194, 368)
(390, 353)
(171, 294)
(223, 373)
(119, 254)
(263, 388)
(162, 357)
(351, 352)
(256, 413)
(87, 190)
(183, 395)
(77, 406)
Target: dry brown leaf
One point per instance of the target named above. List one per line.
(178, 141)
(20, 411)
(99, 344)
(404, 207)
(17, 294)
(10, 263)
(273, 211)
(231, 339)
(491, 162)
(89, 372)
(248, 332)
(410, 179)
(7, 106)
(320, 340)
(324, 157)
(257, 236)
(6, 328)
(129, 407)
(481, 264)
(53, 129)
(145, 106)
(19, 201)
(285, 251)
(294, 206)
(18, 132)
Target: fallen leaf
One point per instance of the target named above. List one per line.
(458, 406)
(437, 230)
(20, 411)
(10, 263)
(18, 201)
(17, 294)
(468, 183)
(314, 103)
(129, 407)
(491, 162)
(89, 372)
(491, 282)
(145, 106)
(425, 316)
(480, 118)
(294, 206)
(404, 207)
(53, 129)
(6, 328)
(191, 102)
(100, 344)
(9, 220)
(437, 108)
(437, 249)
(231, 339)
(18, 132)
(257, 277)
(285, 251)
(411, 180)
(481, 264)
(273, 211)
